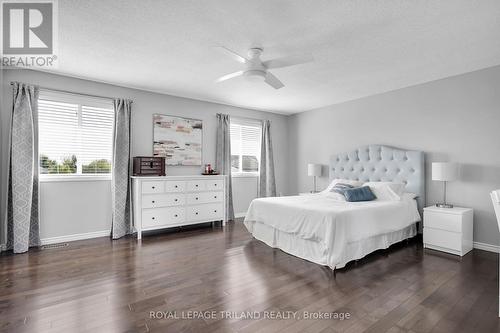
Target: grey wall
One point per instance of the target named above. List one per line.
(79, 207)
(454, 119)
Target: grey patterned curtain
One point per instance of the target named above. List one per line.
(267, 184)
(22, 198)
(223, 158)
(120, 186)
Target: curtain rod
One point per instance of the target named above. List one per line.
(70, 92)
(248, 118)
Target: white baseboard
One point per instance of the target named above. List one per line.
(238, 215)
(75, 237)
(104, 233)
(486, 247)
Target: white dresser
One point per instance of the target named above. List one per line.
(448, 229)
(172, 201)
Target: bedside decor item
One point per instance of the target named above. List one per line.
(445, 172)
(149, 166)
(314, 170)
(177, 139)
(448, 229)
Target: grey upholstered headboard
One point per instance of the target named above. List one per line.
(382, 163)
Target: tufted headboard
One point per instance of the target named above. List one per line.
(382, 163)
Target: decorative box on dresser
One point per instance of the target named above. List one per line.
(172, 201)
(448, 229)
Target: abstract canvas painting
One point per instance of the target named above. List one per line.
(177, 139)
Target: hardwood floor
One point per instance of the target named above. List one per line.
(104, 286)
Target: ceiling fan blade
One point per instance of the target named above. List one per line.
(288, 61)
(232, 54)
(273, 81)
(229, 76)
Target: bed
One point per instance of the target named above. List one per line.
(330, 232)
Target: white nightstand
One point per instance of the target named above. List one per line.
(448, 229)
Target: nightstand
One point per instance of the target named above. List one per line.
(448, 229)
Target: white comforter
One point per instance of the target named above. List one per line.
(324, 219)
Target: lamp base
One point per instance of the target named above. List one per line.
(444, 205)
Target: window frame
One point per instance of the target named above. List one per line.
(250, 123)
(80, 100)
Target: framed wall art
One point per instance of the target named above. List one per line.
(177, 139)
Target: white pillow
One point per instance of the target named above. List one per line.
(386, 191)
(355, 183)
(398, 188)
(335, 196)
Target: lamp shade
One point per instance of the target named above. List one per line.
(314, 169)
(444, 171)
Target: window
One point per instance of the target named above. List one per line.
(245, 146)
(75, 135)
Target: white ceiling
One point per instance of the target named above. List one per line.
(360, 47)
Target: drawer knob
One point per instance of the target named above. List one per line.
(152, 201)
(176, 186)
(196, 213)
(176, 199)
(153, 218)
(176, 215)
(152, 187)
(215, 197)
(215, 211)
(196, 185)
(196, 198)
(215, 184)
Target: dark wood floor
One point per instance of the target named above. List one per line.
(104, 286)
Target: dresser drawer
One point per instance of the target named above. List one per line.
(205, 212)
(213, 196)
(214, 185)
(175, 186)
(216, 211)
(196, 185)
(442, 238)
(153, 187)
(203, 197)
(443, 221)
(162, 216)
(162, 200)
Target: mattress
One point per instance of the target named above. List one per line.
(330, 232)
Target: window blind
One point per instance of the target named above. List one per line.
(245, 145)
(75, 134)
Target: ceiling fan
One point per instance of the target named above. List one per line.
(258, 70)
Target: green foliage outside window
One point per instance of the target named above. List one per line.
(97, 166)
(49, 166)
(69, 166)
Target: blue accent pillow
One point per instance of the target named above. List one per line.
(341, 187)
(359, 194)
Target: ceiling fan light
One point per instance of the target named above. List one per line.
(255, 75)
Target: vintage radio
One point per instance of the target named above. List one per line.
(149, 166)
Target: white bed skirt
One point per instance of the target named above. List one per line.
(314, 252)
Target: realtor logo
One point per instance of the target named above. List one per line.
(28, 33)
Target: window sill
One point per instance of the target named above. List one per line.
(59, 178)
(245, 175)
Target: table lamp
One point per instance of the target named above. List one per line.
(314, 170)
(445, 172)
